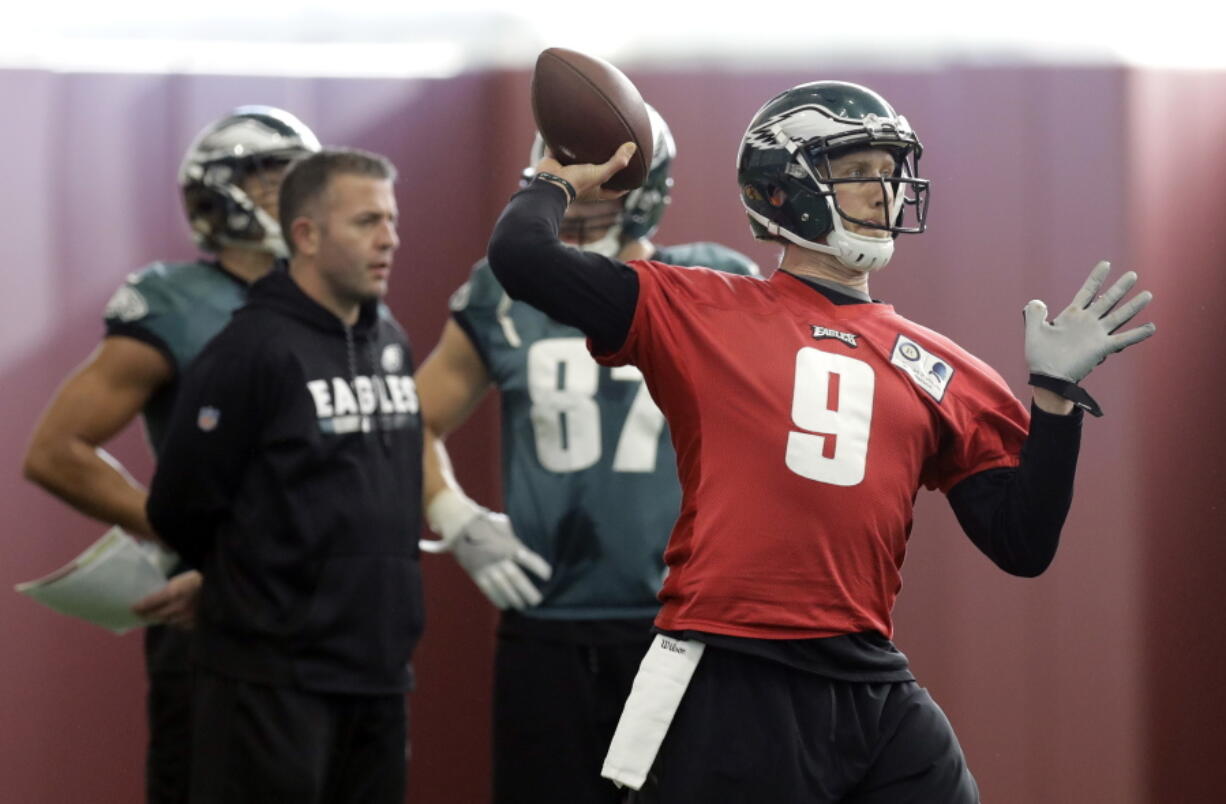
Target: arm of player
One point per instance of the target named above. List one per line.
(450, 384)
(66, 458)
(578, 288)
(1015, 515)
(1063, 351)
(98, 400)
(219, 412)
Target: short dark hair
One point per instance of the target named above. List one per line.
(307, 179)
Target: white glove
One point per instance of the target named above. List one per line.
(485, 545)
(1060, 353)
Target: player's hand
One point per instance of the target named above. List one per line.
(587, 179)
(1069, 346)
(495, 559)
(486, 547)
(174, 604)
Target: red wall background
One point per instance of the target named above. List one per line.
(1095, 683)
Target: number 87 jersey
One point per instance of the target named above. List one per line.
(589, 471)
(804, 430)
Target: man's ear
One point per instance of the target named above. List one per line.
(304, 234)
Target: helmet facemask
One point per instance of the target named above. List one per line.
(902, 194)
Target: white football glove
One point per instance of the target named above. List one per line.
(485, 545)
(1061, 352)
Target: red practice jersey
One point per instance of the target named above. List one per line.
(804, 430)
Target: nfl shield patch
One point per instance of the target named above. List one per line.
(208, 418)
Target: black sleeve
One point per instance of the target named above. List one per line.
(578, 288)
(209, 440)
(1014, 515)
(127, 329)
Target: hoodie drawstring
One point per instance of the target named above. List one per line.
(384, 435)
(351, 353)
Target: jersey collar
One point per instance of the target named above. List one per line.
(807, 293)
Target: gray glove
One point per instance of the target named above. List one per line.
(489, 552)
(1060, 353)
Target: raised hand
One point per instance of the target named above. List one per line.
(1067, 348)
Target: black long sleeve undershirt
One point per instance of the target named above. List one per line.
(1013, 515)
(595, 294)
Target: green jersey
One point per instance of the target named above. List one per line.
(176, 307)
(589, 471)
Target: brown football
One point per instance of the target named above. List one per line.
(585, 108)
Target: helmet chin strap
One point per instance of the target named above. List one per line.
(855, 251)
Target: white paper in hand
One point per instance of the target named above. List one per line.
(102, 583)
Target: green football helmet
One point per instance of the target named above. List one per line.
(248, 140)
(642, 208)
(785, 177)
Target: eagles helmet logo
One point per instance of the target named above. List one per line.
(809, 122)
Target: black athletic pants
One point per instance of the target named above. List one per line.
(169, 708)
(168, 755)
(256, 744)
(556, 705)
(750, 730)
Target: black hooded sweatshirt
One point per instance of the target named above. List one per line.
(291, 477)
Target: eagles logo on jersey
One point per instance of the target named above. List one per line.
(127, 305)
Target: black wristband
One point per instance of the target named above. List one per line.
(1069, 390)
(566, 186)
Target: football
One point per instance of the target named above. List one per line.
(585, 108)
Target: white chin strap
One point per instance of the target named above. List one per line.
(855, 251)
(609, 245)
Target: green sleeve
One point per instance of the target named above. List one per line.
(143, 308)
(708, 255)
(481, 308)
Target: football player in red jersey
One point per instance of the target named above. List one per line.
(806, 416)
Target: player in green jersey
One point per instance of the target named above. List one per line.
(156, 323)
(590, 487)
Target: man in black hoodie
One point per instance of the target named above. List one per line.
(291, 475)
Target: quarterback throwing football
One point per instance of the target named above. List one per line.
(806, 415)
